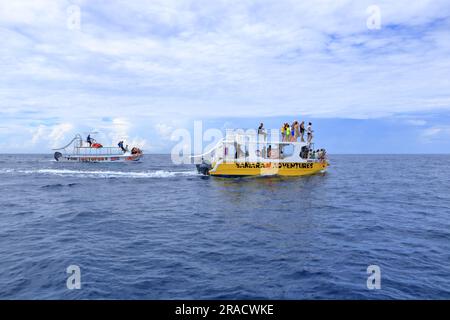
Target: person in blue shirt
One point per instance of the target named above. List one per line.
(89, 140)
(120, 144)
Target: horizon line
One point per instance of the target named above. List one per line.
(336, 154)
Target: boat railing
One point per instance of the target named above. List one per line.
(98, 151)
(210, 151)
(77, 139)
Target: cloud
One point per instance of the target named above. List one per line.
(441, 132)
(166, 59)
(164, 131)
(59, 133)
(416, 122)
(54, 136)
(121, 128)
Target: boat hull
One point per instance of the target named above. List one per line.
(268, 169)
(102, 158)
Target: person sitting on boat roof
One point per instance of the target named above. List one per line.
(89, 140)
(120, 144)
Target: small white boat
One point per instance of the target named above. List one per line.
(78, 150)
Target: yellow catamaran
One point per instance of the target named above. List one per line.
(251, 155)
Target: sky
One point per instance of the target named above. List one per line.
(373, 76)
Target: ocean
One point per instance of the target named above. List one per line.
(154, 230)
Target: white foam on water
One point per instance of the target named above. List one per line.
(7, 171)
(104, 174)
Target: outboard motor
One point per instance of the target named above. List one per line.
(57, 155)
(204, 168)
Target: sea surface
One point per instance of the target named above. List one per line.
(154, 230)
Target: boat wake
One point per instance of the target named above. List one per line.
(102, 174)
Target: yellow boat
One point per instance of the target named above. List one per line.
(252, 155)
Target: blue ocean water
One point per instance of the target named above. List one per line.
(153, 230)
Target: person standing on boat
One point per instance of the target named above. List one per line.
(288, 132)
(120, 144)
(283, 131)
(319, 154)
(89, 140)
(309, 132)
(297, 130)
(302, 131)
(262, 131)
(292, 138)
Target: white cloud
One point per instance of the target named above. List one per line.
(38, 134)
(171, 59)
(59, 133)
(164, 130)
(440, 132)
(120, 128)
(416, 122)
(53, 136)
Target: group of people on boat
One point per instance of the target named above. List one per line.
(275, 153)
(93, 144)
(134, 150)
(291, 133)
(120, 144)
(308, 153)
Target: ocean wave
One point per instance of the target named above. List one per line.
(102, 174)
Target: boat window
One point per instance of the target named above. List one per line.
(304, 152)
(272, 154)
(287, 150)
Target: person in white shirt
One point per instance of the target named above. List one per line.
(309, 132)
